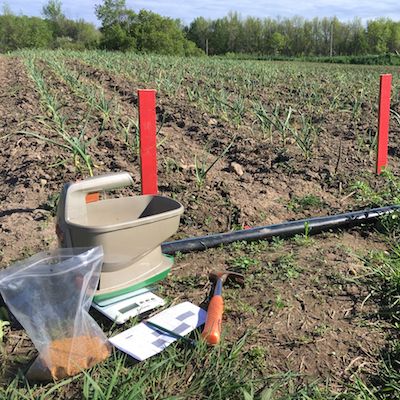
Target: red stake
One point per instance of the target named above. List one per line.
(383, 122)
(148, 144)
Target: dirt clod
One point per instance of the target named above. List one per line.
(237, 168)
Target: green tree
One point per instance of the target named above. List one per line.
(218, 42)
(158, 34)
(146, 31)
(394, 38)
(87, 34)
(378, 34)
(252, 35)
(358, 44)
(234, 26)
(38, 34)
(308, 45)
(115, 37)
(199, 32)
(53, 14)
(18, 32)
(292, 29)
(53, 11)
(76, 35)
(112, 12)
(277, 43)
(6, 9)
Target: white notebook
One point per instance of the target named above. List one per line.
(141, 341)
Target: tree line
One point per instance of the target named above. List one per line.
(121, 29)
(295, 36)
(54, 30)
(144, 31)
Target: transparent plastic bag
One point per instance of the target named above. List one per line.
(50, 295)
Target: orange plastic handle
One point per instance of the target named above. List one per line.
(212, 329)
(92, 197)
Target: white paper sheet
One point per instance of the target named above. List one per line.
(142, 341)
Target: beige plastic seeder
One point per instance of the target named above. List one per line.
(130, 229)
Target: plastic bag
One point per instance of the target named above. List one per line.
(50, 295)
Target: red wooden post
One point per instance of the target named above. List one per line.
(148, 144)
(383, 122)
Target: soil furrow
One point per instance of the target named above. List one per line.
(26, 179)
(105, 146)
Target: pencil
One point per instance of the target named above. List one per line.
(169, 332)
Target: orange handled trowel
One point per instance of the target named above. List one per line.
(212, 328)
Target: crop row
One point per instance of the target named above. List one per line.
(276, 101)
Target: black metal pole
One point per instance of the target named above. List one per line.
(285, 229)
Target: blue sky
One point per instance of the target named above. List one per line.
(188, 10)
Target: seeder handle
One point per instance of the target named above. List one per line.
(75, 193)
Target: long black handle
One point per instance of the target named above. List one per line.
(285, 229)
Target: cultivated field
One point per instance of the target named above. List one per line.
(240, 143)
